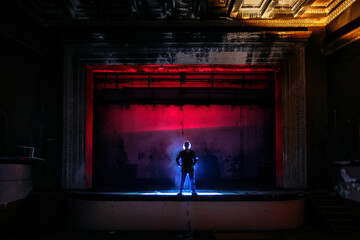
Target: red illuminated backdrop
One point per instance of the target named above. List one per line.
(141, 118)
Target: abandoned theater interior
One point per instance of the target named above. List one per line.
(98, 98)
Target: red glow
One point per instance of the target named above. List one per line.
(171, 117)
(89, 125)
(196, 76)
(224, 131)
(185, 68)
(216, 117)
(279, 130)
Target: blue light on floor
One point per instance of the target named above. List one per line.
(203, 193)
(174, 193)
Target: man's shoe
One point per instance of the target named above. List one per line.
(179, 194)
(194, 194)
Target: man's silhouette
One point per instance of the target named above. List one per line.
(188, 161)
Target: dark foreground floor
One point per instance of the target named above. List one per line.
(303, 233)
(42, 217)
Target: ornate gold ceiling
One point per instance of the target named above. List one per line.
(289, 12)
(279, 13)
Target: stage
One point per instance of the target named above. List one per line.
(164, 210)
(203, 195)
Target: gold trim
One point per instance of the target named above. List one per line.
(307, 22)
(322, 5)
(302, 22)
(315, 11)
(323, 10)
(332, 5)
(341, 42)
(339, 10)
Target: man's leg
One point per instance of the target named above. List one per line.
(183, 176)
(192, 181)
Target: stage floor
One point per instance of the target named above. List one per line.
(202, 195)
(164, 210)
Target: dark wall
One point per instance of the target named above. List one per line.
(52, 115)
(333, 90)
(344, 87)
(344, 101)
(19, 94)
(30, 94)
(316, 106)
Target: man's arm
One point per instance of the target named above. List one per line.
(195, 159)
(177, 159)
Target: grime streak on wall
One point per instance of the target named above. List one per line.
(142, 141)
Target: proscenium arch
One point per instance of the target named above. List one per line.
(289, 55)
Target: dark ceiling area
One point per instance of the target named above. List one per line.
(289, 13)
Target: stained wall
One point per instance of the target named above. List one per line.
(142, 142)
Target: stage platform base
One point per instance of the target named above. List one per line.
(210, 210)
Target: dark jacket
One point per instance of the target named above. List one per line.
(188, 160)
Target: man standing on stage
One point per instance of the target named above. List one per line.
(188, 161)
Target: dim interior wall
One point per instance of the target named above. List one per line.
(231, 142)
(22, 55)
(341, 48)
(19, 113)
(317, 115)
(229, 48)
(30, 94)
(344, 88)
(18, 96)
(344, 124)
(344, 114)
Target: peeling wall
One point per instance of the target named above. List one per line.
(142, 142)
(289, 53)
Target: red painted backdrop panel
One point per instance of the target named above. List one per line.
(232, 142)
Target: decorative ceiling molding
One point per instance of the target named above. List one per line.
(302, 22)
(326, 9)
(322, 3)
(336, 12)
(341, 41)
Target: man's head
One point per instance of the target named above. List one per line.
(187, 145)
